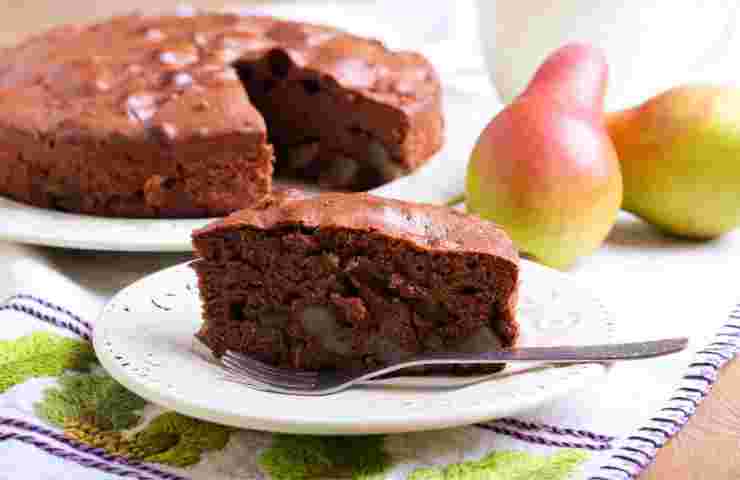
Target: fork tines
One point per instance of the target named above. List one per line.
(248, 370)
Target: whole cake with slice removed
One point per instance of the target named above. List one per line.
(187, 116)
(342, 280)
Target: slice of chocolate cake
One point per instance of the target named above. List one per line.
(352, 280)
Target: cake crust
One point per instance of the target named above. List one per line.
(353, 280)
(423, 227)
(148, 116)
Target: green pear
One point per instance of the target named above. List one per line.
(680, 159)
(545, 168)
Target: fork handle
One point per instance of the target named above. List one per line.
(564, 354)
(575, 354)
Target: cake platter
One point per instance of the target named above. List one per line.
(438, 181)
(144, 339)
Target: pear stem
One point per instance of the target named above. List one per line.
(456, 200)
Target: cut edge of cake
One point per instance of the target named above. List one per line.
(354, 281)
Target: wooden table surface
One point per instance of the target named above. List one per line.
(708, 448)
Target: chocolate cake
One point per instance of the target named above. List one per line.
(178, 116)
(350, 280)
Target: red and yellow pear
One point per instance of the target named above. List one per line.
(545, 168)
(680, 157)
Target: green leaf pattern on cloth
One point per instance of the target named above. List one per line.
(111, 441)
(93, 408)
(295, 457)
(91, 398)
(177, 440)
(41, 354)
(507, 466)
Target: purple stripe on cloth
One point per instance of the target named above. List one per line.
(632, 460)
(708, 351)
(52, 306)
(628, 458)
(673, 416)
(73, 457)
(46, 318)
(645, 449)
(541, 440)
(554, 429)
(99, 453)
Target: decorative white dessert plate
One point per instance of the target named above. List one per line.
(441, 179)
(144, 338)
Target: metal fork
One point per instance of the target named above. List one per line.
(258, 375)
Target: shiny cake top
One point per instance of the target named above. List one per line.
(428, 227)
(174, 75)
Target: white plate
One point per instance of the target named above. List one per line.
(144, 338)
(441, 179)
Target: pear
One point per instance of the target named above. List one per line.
(545, 168)
(680, 157)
